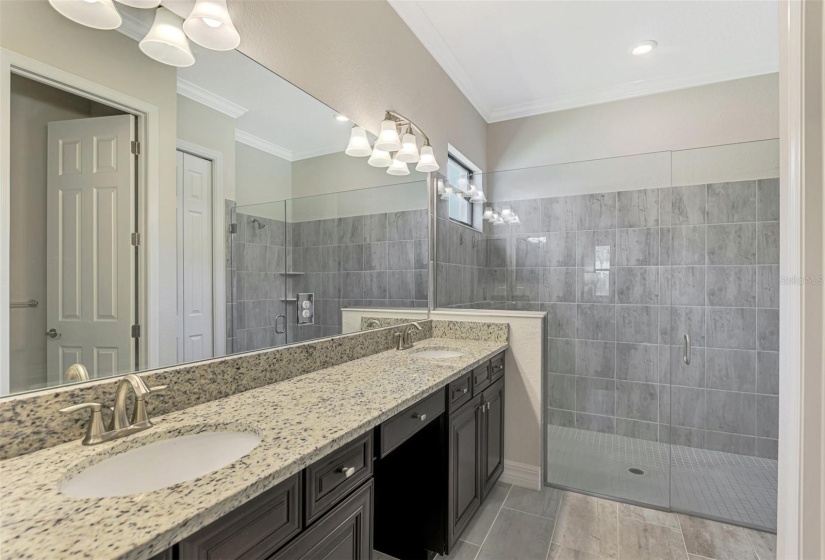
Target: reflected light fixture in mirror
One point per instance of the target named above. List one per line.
(388, 139)
(166, 41)
(97, 14)
(210, 26)
(405, 148)
(359, 144)
(142, 4)
(398, 167)
(380, 158)
(409, 149)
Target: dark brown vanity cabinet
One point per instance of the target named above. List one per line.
(464, 499)
(492, 436)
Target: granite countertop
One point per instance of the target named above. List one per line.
(299, 421)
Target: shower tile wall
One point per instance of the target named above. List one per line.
(622, 276)
(256, 280)
(375, 260)
(462, 263)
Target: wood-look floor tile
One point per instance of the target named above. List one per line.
(647, 515)
(486, 514)
(558, 552)
(544, 502)
(462, 551)
(645, 541)
(763, 543)
(517, 536)
(717, 541)
(588, 524)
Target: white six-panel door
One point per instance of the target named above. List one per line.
(195, 319)
(90, 271)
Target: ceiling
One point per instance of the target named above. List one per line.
(271, 114)
(514, 59)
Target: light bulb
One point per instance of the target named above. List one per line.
(643, 48)
(380, 158)
(426, 162)
(388, 139)
(409, 149)
(166, 41)
(398, 167)
(100, 14)
(210, 26)
(359, 144)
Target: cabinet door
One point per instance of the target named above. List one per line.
(345, 533)
(464, 462)
(492, 448)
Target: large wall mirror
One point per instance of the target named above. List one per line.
(154, 215)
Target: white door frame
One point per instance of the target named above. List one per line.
(218, 242)
(147, 188)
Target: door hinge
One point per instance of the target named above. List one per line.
(136, 147)
(136, 239)
(135, 331)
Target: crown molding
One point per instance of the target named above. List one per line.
(211, 100)
(317, 152)
(263, 145)
(132, 27)
(626, 91)
(422, 27)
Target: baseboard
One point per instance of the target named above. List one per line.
(520, 474)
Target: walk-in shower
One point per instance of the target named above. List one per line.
(631, 258)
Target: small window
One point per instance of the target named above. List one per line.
(459, 176)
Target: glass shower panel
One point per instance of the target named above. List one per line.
(726, 267)
(258, 272)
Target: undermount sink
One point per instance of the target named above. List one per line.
(437, 354)
(160, 464)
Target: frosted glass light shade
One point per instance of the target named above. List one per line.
(507, 215)
(359, 144)
(210, 26)
(380, 158)
(440, 185)
(398, 167)
(488, 213)
(409, 149)
(388, 139)
(142, 4)
(166, 41)
(426, 161)
(101, 14)
(447, 192)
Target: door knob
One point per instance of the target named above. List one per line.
(52, 333)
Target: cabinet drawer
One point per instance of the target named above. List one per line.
(497, 368)
(403, 425)
(345, 533)
(460, 391)
(329, 479)
(255, 530)
(481, 378)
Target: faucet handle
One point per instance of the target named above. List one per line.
(95, 428)
(158, 388)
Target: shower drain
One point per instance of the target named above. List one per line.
(634, 470)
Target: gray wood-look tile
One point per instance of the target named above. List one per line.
(767, 416)
(526, 254)
(715, 540)
(558, 213)
(559, 249)
(767, 373)
(730, 443)
(596, 211)
(637, 401)
(596, 423)
(683, 245)
(647, 515)
(561, 355)
(732, 244)
(637, 284)
(637, 323)
(731, 412)
(376, 256)
(637, 362)
(482, 521)
(763, 543)
(767, 199)
(638, 247)
(596, 358)
(645, 541)
(688, 205)
(595, 286)
(637, 429)
(596, 322)
(731, 370)
(768, 329)
(595, 396)
(588, 241)
(731, 202)
(638, 208)
(685, 406)
(588, 524)
(682, 285)
(544, 502)
(558, 552)
(768, 242)
(561, 391)
(731, 286)
(558, 285)
(733, 328)
(677, 372)
(517, 536)
(561, 319)
(767, 286)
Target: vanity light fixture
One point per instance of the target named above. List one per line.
(398, 167)
(507, 215)
(166, 41)
(359, 144)
(405, 147)
(643, 47)
(97, 14)
(488, 213)
(440, 185)
(210, 26)
(447, 192)
(479, 197)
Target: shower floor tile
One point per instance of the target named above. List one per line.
(737, 488)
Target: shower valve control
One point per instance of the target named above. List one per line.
(306, 309)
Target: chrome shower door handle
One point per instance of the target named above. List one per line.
(686, 357)
(281, 318)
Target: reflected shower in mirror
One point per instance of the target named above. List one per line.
(142, 228)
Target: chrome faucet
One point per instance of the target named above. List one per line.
(120, 425)
(404, 338)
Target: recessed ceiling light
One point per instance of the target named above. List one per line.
(643, 47)
(341, 118)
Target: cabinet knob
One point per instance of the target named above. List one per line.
(348, 471)
(421, 417)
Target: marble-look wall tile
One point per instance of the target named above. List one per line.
(683, 245)
(767, 286)
(637, 401)
(686, 406)
(559, 249)
(675, 370)
(637, 429)
(558, 214)
(637, 362)
(768, 329)
(682, 285)
(639, 285)
(595, 322)
(561, 355)
(768, 242)
(676, 321)
(638, 208)
(558, 284)
(589, 241)
(596, 211)
(595, 358)
(767, 448)
(731, 370)
(731, 202)
(595, 396)
(767, 416)
(595, 286)
(767, 200)
(596, 423)
(561, 320)
(731, 286)
(561, 391)
(638, 247)
(730, 443)
(767, 373)
(733, 328)
(688, 205)
(731, 412)
(731, 244)
(637, 323)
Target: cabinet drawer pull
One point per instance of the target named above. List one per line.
(461, 391)
(421, 417)
(348, 471)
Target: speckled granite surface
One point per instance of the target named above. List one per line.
(299, 419)
(30, 422)
(471, 330)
